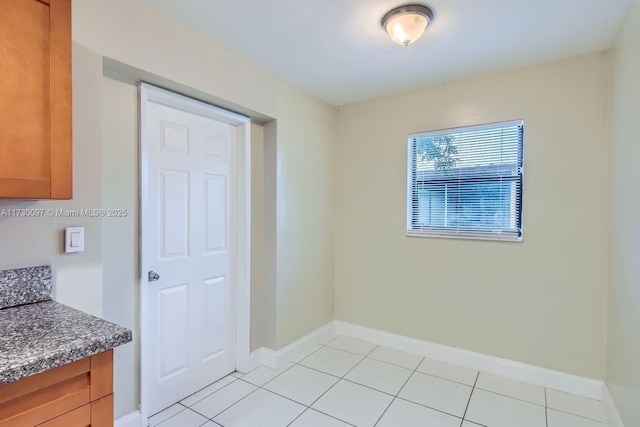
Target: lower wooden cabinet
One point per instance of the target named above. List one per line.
(97, 414)
(77, 417)
(78, 394)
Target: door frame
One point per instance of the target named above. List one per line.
(150, 93)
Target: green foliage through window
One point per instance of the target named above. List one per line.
(438, 149)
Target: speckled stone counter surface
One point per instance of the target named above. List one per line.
(44, 335)
(25, 285)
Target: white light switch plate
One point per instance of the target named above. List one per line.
(74, 239)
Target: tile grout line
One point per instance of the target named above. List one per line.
(235, 378)
(352, 381)
(317, 370)
(377, 360)
(400, 390)
(394, 364)
(403, 367)
(395, 397)
(211, 421)
(385, 411)
(380, 360)
(319, 347)
(334, 384)
(224, 386)
(367, 357)
(428, 407)
(306, 408)
(309, 408)
(359, 362)
(362, 385)
(582, 417)
(470, 396)
(285, 397)
(347, 380)
(546, 408)
(339, 378)
(450, 380)
(415, 370)
(238, 401)
(508, 396)
(352, 352)
(354, 367)
(293, 364)
(184, 407)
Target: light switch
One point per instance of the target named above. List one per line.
(74, 239)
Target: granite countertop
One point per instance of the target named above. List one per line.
(44, 335)
(25, 285)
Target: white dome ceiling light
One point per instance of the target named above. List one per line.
(405, 24)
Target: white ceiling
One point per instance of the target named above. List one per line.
(337, 49)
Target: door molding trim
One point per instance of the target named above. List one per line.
(150, 93)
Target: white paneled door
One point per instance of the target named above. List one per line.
(188, 234)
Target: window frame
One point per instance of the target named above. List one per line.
(458, 233)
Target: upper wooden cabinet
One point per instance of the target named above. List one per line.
(35, 99)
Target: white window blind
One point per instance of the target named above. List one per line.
(466, 182)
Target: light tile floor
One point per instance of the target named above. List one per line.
(354, 383)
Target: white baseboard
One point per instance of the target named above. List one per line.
(276, 359)
(256, 358)
(269, 358)
(304, 345)
(133, 419)
(610, 409)
(581, 386)
(569, 383)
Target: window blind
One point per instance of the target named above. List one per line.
(466, 182)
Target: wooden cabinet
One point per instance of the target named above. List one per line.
(78, 394)
(35, 99)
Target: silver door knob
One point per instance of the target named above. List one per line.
(153, 276)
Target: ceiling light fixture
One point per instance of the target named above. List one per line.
(405, 24)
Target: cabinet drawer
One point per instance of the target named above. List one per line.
(80, 417)
(95, 414)
(59, 392)
(24, 406)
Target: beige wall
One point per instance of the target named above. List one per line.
(263, 241)
(36, 241)
(104, 279)
(304, 224)
(541, 301)
(260, 293)
(263, 238)
(120, 245)
(129, 32)
(623, 333)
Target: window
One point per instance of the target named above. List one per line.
(466, 182)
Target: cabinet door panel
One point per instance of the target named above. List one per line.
(35, 99)
(24, 90)
(102, 412)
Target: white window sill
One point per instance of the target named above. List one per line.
(466, 236)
